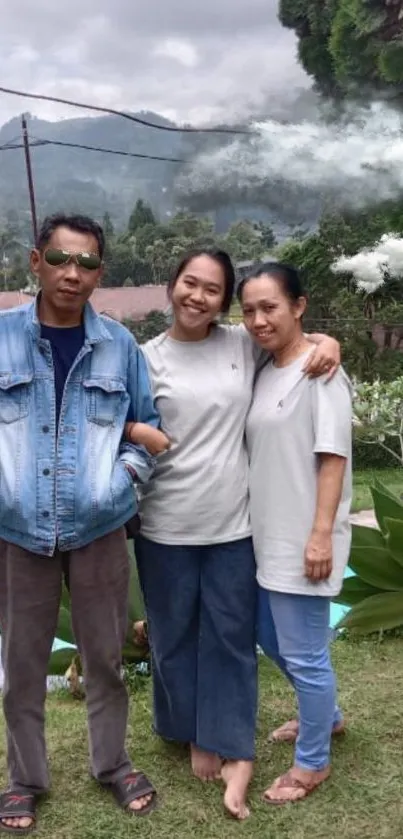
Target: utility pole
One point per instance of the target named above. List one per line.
(30, 179)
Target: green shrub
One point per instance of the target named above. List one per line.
(370, 456)
(375, 593)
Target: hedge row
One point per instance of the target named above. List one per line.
(371, 457)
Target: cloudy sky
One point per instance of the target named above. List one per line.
(191, 61)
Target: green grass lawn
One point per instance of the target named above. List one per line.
(363, 799)
(362, 500)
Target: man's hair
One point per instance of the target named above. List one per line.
(77, 223)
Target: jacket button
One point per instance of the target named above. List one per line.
(45, 429)
(46, 472)
(45, 514)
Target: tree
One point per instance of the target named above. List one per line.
(164, 254)
(244, 241)
(266, 234)
(152, 325)
(141, 215)
(146, 236)
(108, 227)
(347, 44)
(123, 264)
(199, 230)
(378, 413)
(358, 320)
(13, 260)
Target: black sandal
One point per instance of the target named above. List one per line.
(133, 786)
(15, 804)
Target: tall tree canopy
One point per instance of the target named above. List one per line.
(344, 44)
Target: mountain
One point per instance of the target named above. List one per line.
(93, 182)
(89, 181)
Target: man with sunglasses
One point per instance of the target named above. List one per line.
(67, 380)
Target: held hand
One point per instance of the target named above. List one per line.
(319, 557)
(325, 358)
(154, 440)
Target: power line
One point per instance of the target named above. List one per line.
(123, 114)
(36, 142)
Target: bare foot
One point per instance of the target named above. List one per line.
(140, 803)
(237, 775)
(18, 824)
(205, 765)
(288, 732)
(295, 785)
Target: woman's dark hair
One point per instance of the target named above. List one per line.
(286, 275)
(77, 223)
(222, 259)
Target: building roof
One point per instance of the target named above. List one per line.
(9, 299)
(130, 303)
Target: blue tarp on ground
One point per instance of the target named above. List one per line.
(337, 612)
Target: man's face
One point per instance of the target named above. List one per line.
(67, 286)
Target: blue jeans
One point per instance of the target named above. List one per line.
(201, 612)
(293, 630)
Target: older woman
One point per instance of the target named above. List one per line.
(195, 553)
(299, 442)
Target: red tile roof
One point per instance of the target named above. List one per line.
(130, 303)
(121, 303)
(9, 299)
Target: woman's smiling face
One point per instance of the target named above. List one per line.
(270, 315)
(198, 294)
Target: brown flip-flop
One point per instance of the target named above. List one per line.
(290, 731)
(288, 781)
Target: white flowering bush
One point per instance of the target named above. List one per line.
(378, 415)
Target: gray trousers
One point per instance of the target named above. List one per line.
(30, 590)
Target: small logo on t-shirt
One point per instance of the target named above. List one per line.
(234, 366)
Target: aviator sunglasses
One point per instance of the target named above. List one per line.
(90, 261)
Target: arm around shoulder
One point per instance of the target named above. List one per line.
(136, 457)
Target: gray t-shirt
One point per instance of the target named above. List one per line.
(291, 421)
(199, 492)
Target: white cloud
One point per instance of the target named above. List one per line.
(192, 62)
(179, 50)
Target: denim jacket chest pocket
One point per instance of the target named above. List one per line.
(15, 389)
(104, 400)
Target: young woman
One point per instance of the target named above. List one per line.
(194, 554)
(299, 442)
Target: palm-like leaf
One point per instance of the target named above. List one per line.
(375, 594)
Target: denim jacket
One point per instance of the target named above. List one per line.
(68, 488)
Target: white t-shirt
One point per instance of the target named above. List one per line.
(291, 421)
(199, 492)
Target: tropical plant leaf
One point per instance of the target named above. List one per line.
(387, 490)
(136, 604)
(376, 567)
(386, 506)
(394, 539)
(367, 537)
(65, 598)
(64, 629)
(354, 590)
(60, 661)
(133, 654)
(380, 612)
